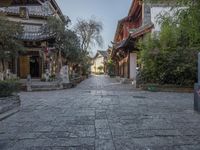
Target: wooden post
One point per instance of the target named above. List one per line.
(16, 64)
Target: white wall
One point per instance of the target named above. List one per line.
(99, 61)
(133, 65)
(155, 11)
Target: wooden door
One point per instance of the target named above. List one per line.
(24, 66)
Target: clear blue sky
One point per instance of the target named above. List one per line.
(106, 11)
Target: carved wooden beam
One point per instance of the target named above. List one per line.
(4, 3)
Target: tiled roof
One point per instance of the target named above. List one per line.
(34, 33)
(39, 10)
(141, 30)
(103, 53)
(37, 36)
(30, 2)
(121, 44)
(124, 45)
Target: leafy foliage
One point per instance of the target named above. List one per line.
(72, 50)
(69, 44)
(110, 65)
(171, 56)
(58, 28)
(9, 45)
(100, 68)
(8, 87)
(66, 41)
(89, 33)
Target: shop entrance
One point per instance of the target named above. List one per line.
(34, 66)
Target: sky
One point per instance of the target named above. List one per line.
(106, 11)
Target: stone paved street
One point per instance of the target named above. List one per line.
(102, 114)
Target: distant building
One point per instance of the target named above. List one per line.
(141, 20)
(99, 62)
(40, 52)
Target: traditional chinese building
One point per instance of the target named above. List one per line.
(39, 53)
(99, 62)
(141, 19)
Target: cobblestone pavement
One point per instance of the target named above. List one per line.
(101, 114)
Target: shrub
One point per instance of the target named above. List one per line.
(100, 68)
(52, 77)
(8, 87)
(170, 56)
(111, 68)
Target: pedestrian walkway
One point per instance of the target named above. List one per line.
(101, 114)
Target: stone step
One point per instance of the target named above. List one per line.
(126, 81)
(8, 106)
(45, 88)
(8, 113)
(10, 99)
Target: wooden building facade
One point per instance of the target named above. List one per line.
(39, 53)
(129, 30)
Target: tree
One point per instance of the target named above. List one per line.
(72, 50)
(89, 32)
(9, 45)
(100, 68)
(58, 28)
(111, 68)
(66, 42)
(171, 57)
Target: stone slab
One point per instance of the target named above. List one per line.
(9, 106)
(102, 114)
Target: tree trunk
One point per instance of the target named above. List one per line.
(3, 64)
(60, 58)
